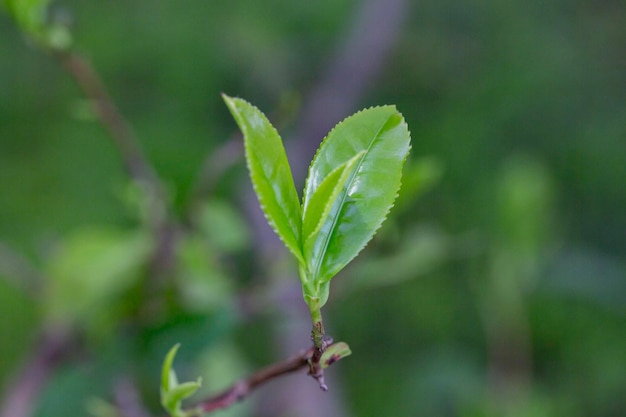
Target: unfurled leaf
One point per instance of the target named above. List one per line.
(173, 398)
(168, 377)
(321, 211)
(270, 173)
(173, 393)
(334, 353)
(382, 136)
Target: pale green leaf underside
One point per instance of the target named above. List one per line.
(369, 192)
(270, 173)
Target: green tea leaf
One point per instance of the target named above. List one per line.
(368, 194)
(168, 380)
(171, 400)
(270, 173)
(173, 393)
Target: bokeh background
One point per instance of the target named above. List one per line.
(496, 288)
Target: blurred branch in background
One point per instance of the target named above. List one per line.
(128, 399)
(120, 131)
(53, 347)
(159, 216)
(56, 342)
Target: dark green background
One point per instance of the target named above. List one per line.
(500, 291)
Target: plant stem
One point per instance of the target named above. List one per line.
(242, 389)
(320, 342)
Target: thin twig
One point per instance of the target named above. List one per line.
(120, 131)
(20, 398)
(109, 115)
(244, 387)
(55, 344)
(164, 226)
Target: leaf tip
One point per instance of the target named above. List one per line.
(167, 367)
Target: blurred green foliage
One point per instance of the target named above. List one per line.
(500, 291)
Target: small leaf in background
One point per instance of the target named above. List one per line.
(203, 286)
(168, 377)
(172, 393)
(32, 17)
(223, 225)
(173, 398)
(334, 353)
(383, 135)
(422, 249)
(91, 270)
(270, 172)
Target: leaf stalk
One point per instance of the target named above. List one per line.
(320, 343)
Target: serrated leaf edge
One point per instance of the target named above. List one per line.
(319, 148)
(386, 213)
(296, 251)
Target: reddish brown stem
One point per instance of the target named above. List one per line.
(320, 343)
(244, 387)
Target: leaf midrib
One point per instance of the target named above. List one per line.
(345, 194)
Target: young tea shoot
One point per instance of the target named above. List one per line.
(352, 184)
